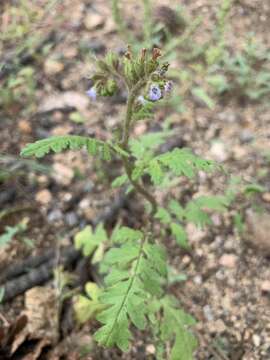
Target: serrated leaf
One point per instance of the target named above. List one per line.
(180, 235)
(88, 241)
(155, 172)
(124, 233)
(176, 209)
(119, 181)
(163, 215)
(194, 214)
(73, 142)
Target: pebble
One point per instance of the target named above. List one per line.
(71, 218)
(24, 126)
(62, 174)
(44, 197)
(208, 313)
(266, 197)
(150, 349)
(256, 340)
(228, 260)
(93, 21)
(55, 215)
(258, 229)
(53, 67)
(218, 151)
(265, 286)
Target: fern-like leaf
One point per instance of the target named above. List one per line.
(137, 272)
(57, 144)
(181, 162)
(175, 327)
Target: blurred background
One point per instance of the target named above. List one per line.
(219, 55)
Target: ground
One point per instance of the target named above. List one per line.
(227, 286)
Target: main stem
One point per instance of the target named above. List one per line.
(133, 93)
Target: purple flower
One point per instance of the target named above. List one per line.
(154, 93)
(168, 86)
(142, 100)
(92, 93)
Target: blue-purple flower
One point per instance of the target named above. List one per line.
(92, 93)
(154, 93)
(168, 87)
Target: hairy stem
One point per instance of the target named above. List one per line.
(124, 144)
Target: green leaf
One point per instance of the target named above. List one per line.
(119, 181)
(218, 203)
(73, 142)
(135, 272)
(2, 293)
(123, 234)
(155, 172)
(194, 214)
(175, 326)
(88, 241)
(122, 255)
(180, 235)
(87, 307)
(202, 95)
(163, 215)
(176, 209)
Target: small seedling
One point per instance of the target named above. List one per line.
(133, 262)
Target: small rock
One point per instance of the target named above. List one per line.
(258, 230)
(24, 126)
(228, 260)
(256, 340)
(63, 175)
(266, 197)
(218, 151)
(55, 215)
(62, 130)
(265, 286)
(246, 136)
(208, 313)
(44, 197)
(93, 21)
(150, 349)
(195, 235)
(53, 67)
(71, 219)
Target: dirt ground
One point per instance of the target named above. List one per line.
(227, 286)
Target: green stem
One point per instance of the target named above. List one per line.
(124, 144)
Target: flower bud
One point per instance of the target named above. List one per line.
(92, 93)
(168, 87)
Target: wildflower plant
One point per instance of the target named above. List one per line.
(134, 262)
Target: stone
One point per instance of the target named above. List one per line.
(24, 126)
(53, 67)
(258, 230)
(218, 151)
(55, 215)
(265, 286)
(228, 260)
(150, 349)
(266, 197)
(93, 21)
(62, 174)
(256, 340)
(44, 197)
